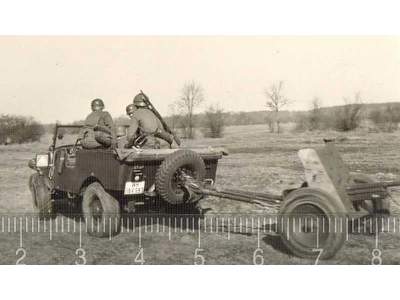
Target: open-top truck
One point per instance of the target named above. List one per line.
(106, 181)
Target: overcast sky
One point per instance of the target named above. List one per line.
(55, 78)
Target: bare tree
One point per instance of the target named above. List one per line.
(315, 116)
(270, 119)
(214, 122)
(349, 115)
(173, 116)
(386, 118)
(191, 97)
(276, 101)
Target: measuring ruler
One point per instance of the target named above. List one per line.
(189, 239)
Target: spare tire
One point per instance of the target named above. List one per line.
(168, 184)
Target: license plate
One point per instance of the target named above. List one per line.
(134, 188)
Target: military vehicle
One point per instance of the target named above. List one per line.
(107, 180)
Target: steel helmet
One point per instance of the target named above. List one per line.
(130, 109)
(139, 101)
(120, 131)
(97, 104)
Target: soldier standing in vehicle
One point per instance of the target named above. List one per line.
(145, 128)
(99, 129)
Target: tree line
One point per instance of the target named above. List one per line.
(184, 117)
(19, 129)
(346, 117)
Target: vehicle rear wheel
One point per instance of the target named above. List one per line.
(43, 204)
(312, 223)
(168, 183)
(101, 210)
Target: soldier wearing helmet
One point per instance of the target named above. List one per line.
(99, 129)
(130, 109)
(145, 128)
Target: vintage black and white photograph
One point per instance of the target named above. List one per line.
(184, 150)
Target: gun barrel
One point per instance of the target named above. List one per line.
(371, 186)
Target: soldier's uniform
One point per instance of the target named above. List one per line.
(98, 130)
(145, 124)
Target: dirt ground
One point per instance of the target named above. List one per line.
(258, 161)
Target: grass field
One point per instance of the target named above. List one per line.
(258, 161)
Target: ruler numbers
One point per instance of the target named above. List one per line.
(220, 226)
(21, 252)
(80, 252)
(376, 252)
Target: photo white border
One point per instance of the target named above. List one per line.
(174, 17)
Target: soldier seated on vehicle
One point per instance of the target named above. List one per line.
(145, 129)
(99, 129)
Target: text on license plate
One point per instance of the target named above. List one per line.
(134, 188)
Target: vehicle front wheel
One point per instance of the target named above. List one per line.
(43, 204)
(102, 211)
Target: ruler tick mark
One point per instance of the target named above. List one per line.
(229, 229)
(175, 227)
(264, 224)
(51, 226)
(394, 224)
(270, 225)
(20, 232)
(169, 228)
(163, 224)
(140, 236)
(80, 234)
(199, 237)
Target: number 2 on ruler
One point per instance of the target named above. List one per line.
(19, 260)
(139, 258)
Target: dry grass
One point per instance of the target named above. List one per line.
(258, 161)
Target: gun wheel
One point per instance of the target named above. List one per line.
(312, 224)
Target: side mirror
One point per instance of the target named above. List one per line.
(60, 136)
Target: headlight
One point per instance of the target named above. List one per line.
(42, 160)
